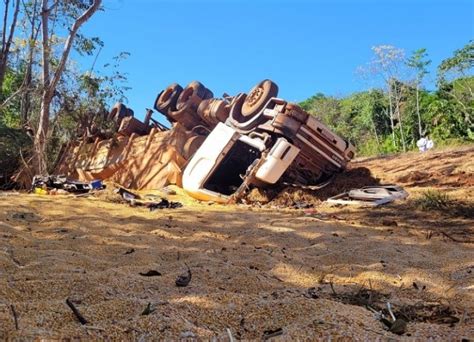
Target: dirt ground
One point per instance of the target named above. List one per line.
(257, 272)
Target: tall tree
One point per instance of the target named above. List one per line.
(419, 63)
(31, 11)
(456, 81)
(7, 39)
(387, 64)
(50, 81)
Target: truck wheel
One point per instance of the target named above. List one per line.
(119, 110)
(166, 100)
(200, 90)
(193, 90)
(258, 97)
(192, 145)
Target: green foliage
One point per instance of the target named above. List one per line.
(9, 112)
(14, 144)
(446, 115)
(419, 62)
(87, 46)
(460, 63)
(433, 200)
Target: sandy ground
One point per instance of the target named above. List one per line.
(313, 273)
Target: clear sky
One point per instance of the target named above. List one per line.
(304, 46)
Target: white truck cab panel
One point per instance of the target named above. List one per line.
(205, 160)
(277, 162)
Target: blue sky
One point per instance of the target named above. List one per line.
(304, 46)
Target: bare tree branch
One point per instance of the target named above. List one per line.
(49, 86)
(7, 44)
(4, 29)
(68, 45)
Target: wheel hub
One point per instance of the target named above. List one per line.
(254, 96)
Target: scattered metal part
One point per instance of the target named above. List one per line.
(184, 279)
(389, 308)
(372, 196)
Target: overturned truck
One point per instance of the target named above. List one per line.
(216, 148)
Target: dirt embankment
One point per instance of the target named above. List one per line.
(256, 272)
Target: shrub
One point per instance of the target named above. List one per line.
(434, 200)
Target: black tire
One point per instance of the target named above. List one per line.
(192, 145)
(258, 97)
(200, 90)
(119, 110)
(193, 89)
(166, 100)
(184, 97)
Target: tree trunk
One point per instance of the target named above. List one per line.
(399, 116)
(27, 82)
(39, 159)
(49, 86)
(392, 125)
(420, 129)
(41, 137)
(376, 134)
(6, 42)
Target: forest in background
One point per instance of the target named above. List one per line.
(392, 116)
(48, 99)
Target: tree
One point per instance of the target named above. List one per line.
(419, 63)
(387, 65)
(7, 39)
(50, 81)
(31, 11)
(455, 81)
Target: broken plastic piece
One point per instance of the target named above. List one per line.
(370, 196)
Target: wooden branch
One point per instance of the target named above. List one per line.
(76, 312)
(53, 6)
(4, 28)
(12, 96)
(25, 11)
(45, 34)
(12, 30)
(6, 42)
(455, 239)
(68, 44)
(15, 316)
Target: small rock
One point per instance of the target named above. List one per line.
(187, 334)
(184, 279)
(390, 223)
(312, 293)
(169, 191)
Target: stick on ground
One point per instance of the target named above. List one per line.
(15, 317)
(76, 312)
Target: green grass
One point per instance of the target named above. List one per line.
(434, 200)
